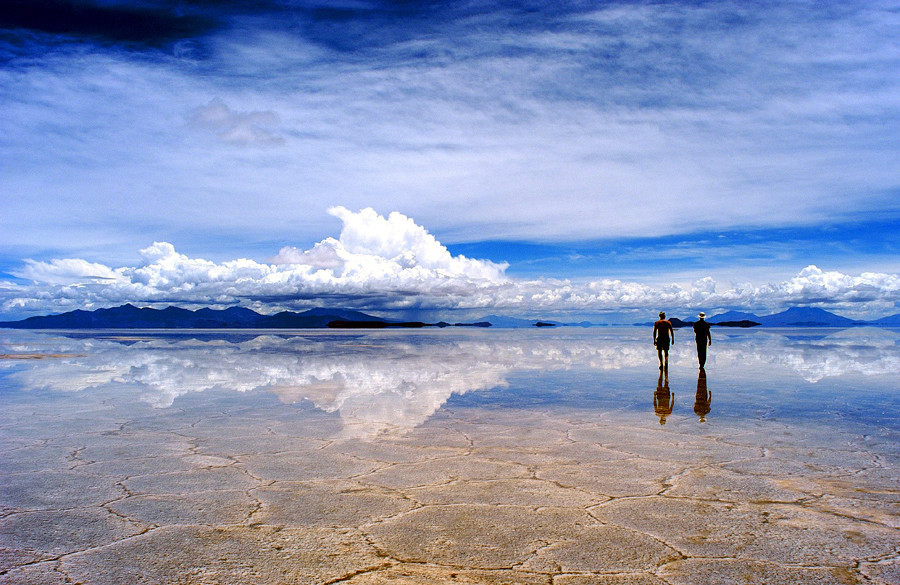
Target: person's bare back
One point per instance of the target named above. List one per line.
(663, 337)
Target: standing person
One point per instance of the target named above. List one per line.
(662, 329)
(703, 337)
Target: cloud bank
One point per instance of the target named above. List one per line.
(393, 264)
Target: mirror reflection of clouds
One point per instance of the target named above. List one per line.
(816, 355)
(383, 382)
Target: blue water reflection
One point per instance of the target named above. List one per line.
(393, 380)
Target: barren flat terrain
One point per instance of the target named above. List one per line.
(438, 457)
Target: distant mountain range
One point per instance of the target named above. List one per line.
(676, 323)
(793, 317)
(514, 323)
(130, 317)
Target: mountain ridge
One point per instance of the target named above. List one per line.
(128, 316)
(793, 317)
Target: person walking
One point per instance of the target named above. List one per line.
(703, 338)
(662, 330)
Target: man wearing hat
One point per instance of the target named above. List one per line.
(703, 337)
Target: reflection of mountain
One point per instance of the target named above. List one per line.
(395, 381)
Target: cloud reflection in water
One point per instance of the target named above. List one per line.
(391, 382)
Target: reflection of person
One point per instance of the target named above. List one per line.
(703, 398)
(663, 400)
(703, 337)
(662, 329)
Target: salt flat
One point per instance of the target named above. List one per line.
(448, 457)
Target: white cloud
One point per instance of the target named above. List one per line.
(814, 283)
(632, 120)
(391, 263)
(67, 271)
(374, 258)
(324, 254)
(241, 128)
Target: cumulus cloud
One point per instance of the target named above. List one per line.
(391, 259)
(374, 245)
(392, 263)
(240, 128)
(813, 284)
(323, 255)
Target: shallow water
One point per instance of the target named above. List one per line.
(456, 455)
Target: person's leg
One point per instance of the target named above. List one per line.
(666, 365)
(659, 352)
(701, 353)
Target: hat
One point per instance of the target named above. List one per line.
(662, 313)
(702, 315)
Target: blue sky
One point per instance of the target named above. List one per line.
(588, 157)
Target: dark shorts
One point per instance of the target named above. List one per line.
(662, 344)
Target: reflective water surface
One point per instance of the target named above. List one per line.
(494, 456)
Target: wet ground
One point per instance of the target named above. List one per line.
(449, 457)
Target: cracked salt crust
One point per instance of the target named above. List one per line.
(486, 514)
(219, 491)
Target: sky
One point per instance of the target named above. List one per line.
(599, 160)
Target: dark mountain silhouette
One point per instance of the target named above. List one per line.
(678, 323)
(514, 322)
(734, 316)
(313, 318)
(793, 317)
(805, 317)
(369, 324)
(892, 320)
(235, 315)
(130, 317)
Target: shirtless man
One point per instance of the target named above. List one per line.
(662, 330)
